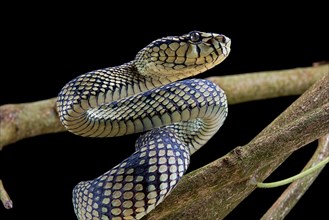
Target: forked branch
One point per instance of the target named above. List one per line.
(220, 186)
(296, 190)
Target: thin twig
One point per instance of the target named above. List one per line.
(4, 197)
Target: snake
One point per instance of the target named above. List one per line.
(157, 95)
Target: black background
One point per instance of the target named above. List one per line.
(46, 46)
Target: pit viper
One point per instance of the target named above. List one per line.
(149, 94)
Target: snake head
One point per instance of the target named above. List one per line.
(183, 56)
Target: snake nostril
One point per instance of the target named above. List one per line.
(209, 41)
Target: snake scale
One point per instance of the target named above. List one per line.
(147, 94)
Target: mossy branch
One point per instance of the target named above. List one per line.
(219, 186)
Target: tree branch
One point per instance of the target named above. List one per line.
(19, 121)
(269, 84)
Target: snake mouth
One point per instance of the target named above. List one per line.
(227, 42)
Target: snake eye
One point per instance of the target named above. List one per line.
(194, 36)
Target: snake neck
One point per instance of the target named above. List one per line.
(134, 69)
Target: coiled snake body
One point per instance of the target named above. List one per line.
(146, 95)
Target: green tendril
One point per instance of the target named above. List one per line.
(296, 177)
